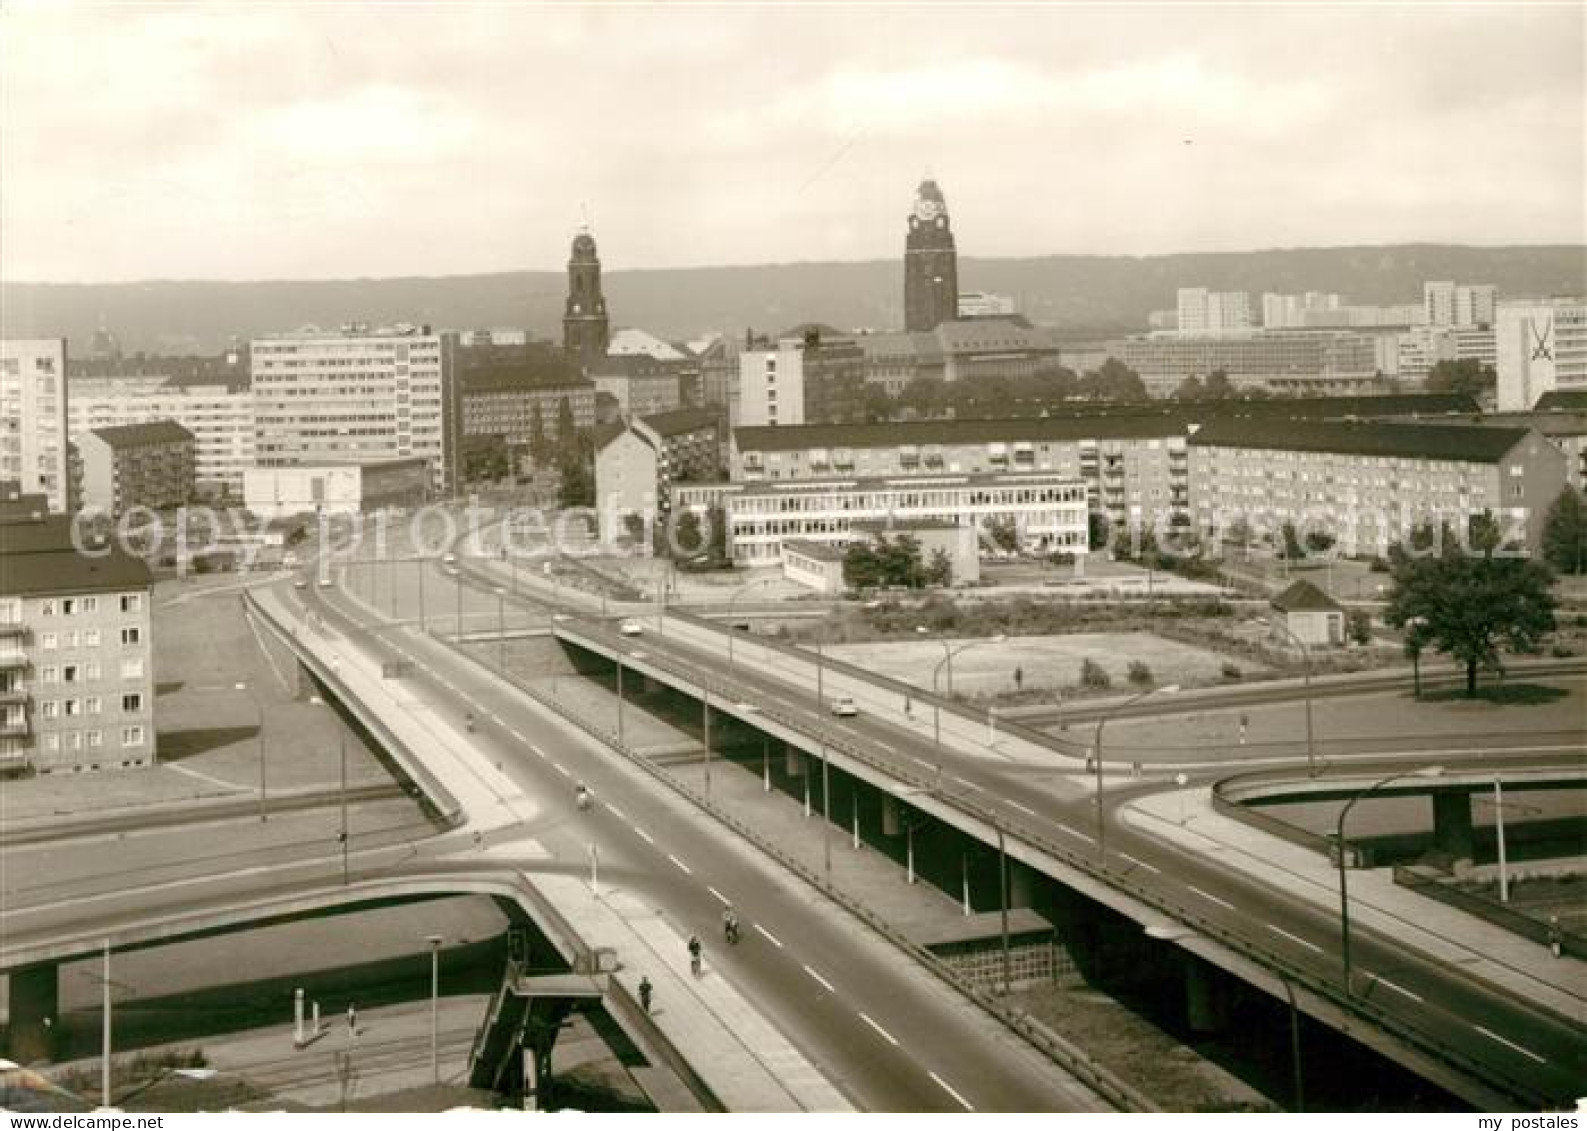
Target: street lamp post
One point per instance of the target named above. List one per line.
(501, 629)
(705, 708)
(732, 600)
(1343, 854)
(948, 653)
(1002, 906)
(424, 625)
(619, 702)
(104, 1048)
(1305, 651)
(826, 815)
(1169, 689)
(435, 1008)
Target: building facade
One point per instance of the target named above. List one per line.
(1446, 303)
(359, 395)
(76, 652)
(641, 385)
(981, 304)
(149, 465)
(1050, 511)
(505, 402)
(638, 466)
(1288, 360)
(931, 262)
(585, 328)
(273, 493)
(1540, 346)
(1367, 484)
(771, 385)
(34, 434)
(1201, 311)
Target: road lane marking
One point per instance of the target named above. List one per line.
(1139, 863)
(1491, 1035)
(1075, 832)
(1212, 898)
(616, 812)
(1296, 939)
(1382, 981)
(947, 1087)
(720, 897)
(820, 979)
(771, 938)
(643, 835)
(682, 867)
(561, 769)
(923, 762)
(1026, 809)
(968, 784)
(888, 1037)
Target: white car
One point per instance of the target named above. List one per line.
(843, 706)
(631, 628)
(326, 583)
(449, 558)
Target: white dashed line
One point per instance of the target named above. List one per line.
(1492, 1036)
(820, 979)
(1074, 833)
(968, 784)
(1212, 898)
(616, 812)
(892, 1040)
(643, 835)
(1296, 939)
(561, 769)
(1382, 981)
(682, 867)
(1138, 863)
(1025, 809)
(947, 1087)
(719, 896)
(771, 938)
(923, 762)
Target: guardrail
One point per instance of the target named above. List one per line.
(1273, 963)
(444, 809)
(1434, 885)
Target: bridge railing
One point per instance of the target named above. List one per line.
(1274, 963)
(1436, 885)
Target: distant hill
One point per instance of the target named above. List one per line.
(1104, 294)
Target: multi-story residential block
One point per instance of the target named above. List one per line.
(1312, 361)
(1559, 420)
(1130, 464)
(1288, 312)
(893, 360)
(136, 465)
(1423, 347)
(359, 395)
(217, 408)
(1446, 303)
(1541, 345)
(638, 464)
(505, 400)
(1201, 311)
(1049, 510)
(34, 437)
(1367, 484)
(771, 385)
(76, 651)
(640, 384)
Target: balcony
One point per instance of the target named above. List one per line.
(13, 629)
(12, 659)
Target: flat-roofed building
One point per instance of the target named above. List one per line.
(641, 385)
(34, 434)
(1306, 361)
(76, 651)
(274, 493)
(149, 465)
(637, 464)
(1540, 346)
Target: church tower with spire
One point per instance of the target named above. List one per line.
(585, 330)
(931, 263)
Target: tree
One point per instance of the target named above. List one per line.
(688, 536)
(567, 430)
(634, 526)
(1140, 673)
(716, 533)
(1094, 676)
(1319, 542)
(1360, 627)
(939, 570)
(861, 567)
(1467, 605)
(1465, 376)
(1565, 533)
(576, 487)
(1190, 389)
(539, 442)
(1218, 387)
(1096, 530)
(1003, 534)
(1292, 549)
(1115, 381)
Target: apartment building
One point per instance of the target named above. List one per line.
(136, 465)
(1368, 483)
(217, 409)
(359, 395)
(1201, 311)
(637, 465)
(1446, 303)
(640, 384)
(771, 385)
(504, 402)
(1050, 510)
(76, 652)
(1133, 463)
(34, 438)
(1540, 346)
(1305, 361)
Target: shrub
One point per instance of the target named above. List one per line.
(1360, 627)
(1093, 675)
(1562, 651)
(1140, 673)
(1231, 671)
(1378, 564)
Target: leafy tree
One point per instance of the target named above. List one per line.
(1467, 605)
(1565, 533)
(925, 396)
(1292, 549)
(634, 526)
(1096, 530)
(1141, 673)
(539, 442)
(1218, 387)
(687, 534)
(1190, 389)
(1360, 627)
(939, 570)
(1465, 376)
(862, 569)
(877, 405)
(567, 430)
(1319, 542)
(577, 484)
(716, 533)
(1094, 676)
(1003, 533)
(1115, 381)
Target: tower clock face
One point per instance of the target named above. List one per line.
(927, 210)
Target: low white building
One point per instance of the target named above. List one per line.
(335, 489)
(1540, 346)
(1304, 612)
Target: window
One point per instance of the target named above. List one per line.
(71, 708)
(92, 705)
(131, 635)
(52, 742)
(96, 738)
(131, 669)
(68, 606)
(91, 638)
(49, 709)
(132, 736)
(48, 641)
(49, 674)
(70, 673)
(90, 604)
(132, 702)
(47, 608)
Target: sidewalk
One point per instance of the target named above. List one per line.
(1186, 818)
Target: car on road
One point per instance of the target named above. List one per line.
(326, 582)
(449, 558)
(631, 628)
(843, 706)
(300, 583)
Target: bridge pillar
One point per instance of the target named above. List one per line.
(796, 761)
(1021, 885)
(1206, 1010)
(35, 1002)
(1452, 831)
(891, 825)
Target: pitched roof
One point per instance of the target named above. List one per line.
(140, 435)
(1304, 597)
(775, 438)
(39, 558)
(680, 420)
(1568, 400)
(1454, 442)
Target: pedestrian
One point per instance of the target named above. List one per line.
(645, 990)
(352, 1020)
(694, 955)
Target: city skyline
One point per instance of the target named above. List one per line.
(251, 143)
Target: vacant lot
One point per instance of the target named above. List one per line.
(987, 668)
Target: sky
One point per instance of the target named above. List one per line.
(308, 141)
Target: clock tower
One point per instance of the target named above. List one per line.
(931, 263)
(585, 331)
